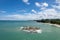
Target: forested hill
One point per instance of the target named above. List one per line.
(53, 21)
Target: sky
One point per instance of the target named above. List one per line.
(29, 9)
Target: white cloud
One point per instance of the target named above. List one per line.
(57, 1)
(49, 14)
(44, 14)
(34, 11)
(45, 4)
(21, 11)
(2, 11)
(42, 6)
(57, 6)
(37, 4)
(26, 1)
(20, 17)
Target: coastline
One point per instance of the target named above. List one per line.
(53, 24)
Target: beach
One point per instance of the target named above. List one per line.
(56, 25)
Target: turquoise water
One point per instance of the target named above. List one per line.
(9, 31)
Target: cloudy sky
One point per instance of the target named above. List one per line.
(29, 9)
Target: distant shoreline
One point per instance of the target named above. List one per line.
(53, 24)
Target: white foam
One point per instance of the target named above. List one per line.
(21, 28)
(39, 31)
(26, 30)
(33, 31)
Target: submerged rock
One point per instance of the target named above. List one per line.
(31, 29)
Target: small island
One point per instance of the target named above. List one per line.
(31, 29)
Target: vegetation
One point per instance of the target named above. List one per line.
(53, 21)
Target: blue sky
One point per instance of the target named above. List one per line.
(29, 9)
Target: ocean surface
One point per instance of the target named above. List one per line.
(9, 30)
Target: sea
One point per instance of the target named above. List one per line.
(9, 30)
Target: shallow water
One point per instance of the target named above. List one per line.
(9, 30)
